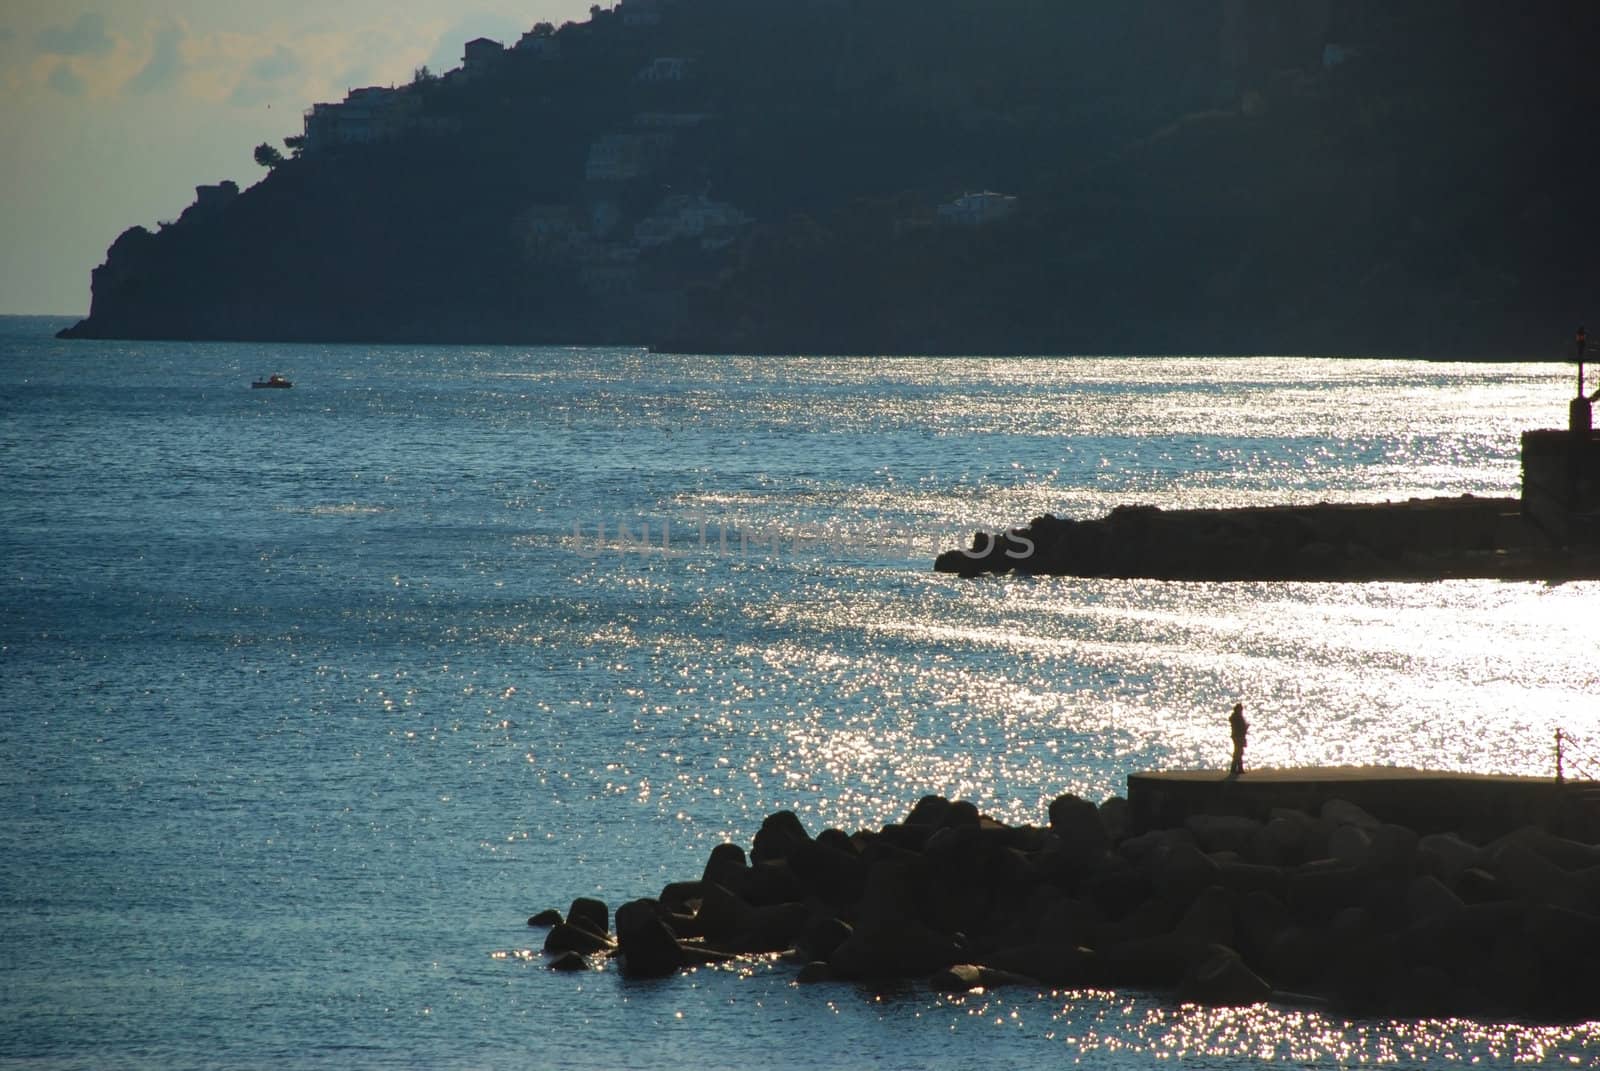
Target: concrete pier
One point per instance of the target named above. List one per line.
(1480, 806)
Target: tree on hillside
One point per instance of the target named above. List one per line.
(268, 156)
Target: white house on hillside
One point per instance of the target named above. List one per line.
(366, 115)
(976, 209)
(712, 223)
(664, 69)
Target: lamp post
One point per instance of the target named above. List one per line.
(1582, 340)
(1580, 413)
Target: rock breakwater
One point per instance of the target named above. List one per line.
(1335, 908)
(1420, 539)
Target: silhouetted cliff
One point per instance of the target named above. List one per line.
(1179, 176)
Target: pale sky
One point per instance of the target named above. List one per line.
(112, 111)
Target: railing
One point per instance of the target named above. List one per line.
(1572, 756)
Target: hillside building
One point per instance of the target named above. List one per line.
(367, 115)
(714, 224)
(977, 209)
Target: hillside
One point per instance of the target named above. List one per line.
(1152, 176)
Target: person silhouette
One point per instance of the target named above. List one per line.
(1238, 727)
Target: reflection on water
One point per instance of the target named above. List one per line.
(312, 699)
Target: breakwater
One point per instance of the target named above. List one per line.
(1420, 539)
(1194, 885)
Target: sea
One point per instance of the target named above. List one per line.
(310, 697)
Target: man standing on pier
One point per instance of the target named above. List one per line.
(1238, 727)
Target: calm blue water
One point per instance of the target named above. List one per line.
(309, 698)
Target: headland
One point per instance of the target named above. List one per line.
(941, 177)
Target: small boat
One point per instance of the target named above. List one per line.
(274, 380)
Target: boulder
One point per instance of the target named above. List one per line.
(1477, 886)
(1183, 872)
(681, 897)
(814, 972)
(894, 890)
(1513, 981)
(1147, 847)
(731, 925)
(1534, 877)
(778, 835)
(647, 947)
(1421, 992)
(960, 813)
(1284, 842)
(972, 891)
(906, 949)
(771, 882)
(880, 851)
(721, 914)
(1567, 944)
(820, 937)
(1588, 882)
(1060, 867)
(1567, 854)
(1318, 889)
(1350, 845)
(569, 961)
(1076, 824)
(1241, 878)
(1150, 918)
(833, 873)
(1344, 813)
(681, 923)
(1430, 900)
(1221, 979)
(548, 917)
(1299, 957)
(1394, 848)
(1117, 888)
(1160, 961)
(929, 811)
(1115, 818)
(590, 913)
(1223, 833)
(1351, 923)
(574, 937)
(1259, 919)
(1209, 918)
(965, 977)
(1068, 922)
(909, 837)
(838, 840)
(727, 867)
(960, 978)
(1445, 856)
(773, 928)
(1385, 900)
(1052, 963)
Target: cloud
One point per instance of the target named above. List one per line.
(281, 64)
(166, 64)
(264, 78)
(86, 37)
(65, 81)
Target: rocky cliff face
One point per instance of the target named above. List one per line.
(1317, 176)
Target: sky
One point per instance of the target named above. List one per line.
(113, 111)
